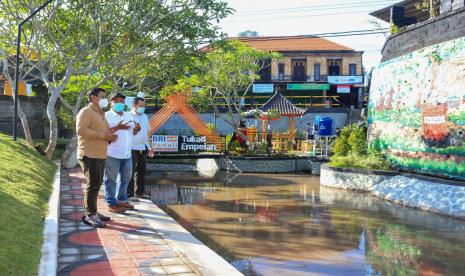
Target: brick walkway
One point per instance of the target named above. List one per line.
(127, 246)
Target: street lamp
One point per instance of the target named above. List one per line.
(18, 52)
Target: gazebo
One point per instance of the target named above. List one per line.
(285, 108)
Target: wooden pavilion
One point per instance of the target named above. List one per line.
(284, 108)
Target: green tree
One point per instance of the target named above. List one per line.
(248, 33)
(228, 72)
(118, 39)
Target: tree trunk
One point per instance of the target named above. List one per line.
(25, 124)
(53, 124)
(69, 150)
(22, 116)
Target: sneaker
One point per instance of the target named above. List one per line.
(94, 221)
(116, 209)
(103, 217)
(134, 199)
(125, 205)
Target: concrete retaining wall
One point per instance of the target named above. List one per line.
(209, 166)
(424, 194)
(445, 27)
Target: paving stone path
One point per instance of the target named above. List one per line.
(127, 246)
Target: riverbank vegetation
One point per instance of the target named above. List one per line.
(350, 151)
(25, 186)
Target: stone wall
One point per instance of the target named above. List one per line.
(422, 194)
(35, 109)
(176, 125)
(425, 194)
(352, 179)
(447, 26)
(417, 98)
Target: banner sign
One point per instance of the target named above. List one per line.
(263, 88)
(343, 89)
(173, 143)
(345, 79)
(307, 86)
(165, 143)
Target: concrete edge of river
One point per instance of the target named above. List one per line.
(429, 194)
(205, 260)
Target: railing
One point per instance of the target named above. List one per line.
(299, 101)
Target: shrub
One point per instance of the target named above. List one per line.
(350, 151)
(372, 161)
(341, 146)
(357, 141)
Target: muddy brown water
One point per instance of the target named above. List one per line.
(290, 225)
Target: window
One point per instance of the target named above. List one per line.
(353, 69)
(316, 72)
(334, 68)
(281, 71)
(299, 72)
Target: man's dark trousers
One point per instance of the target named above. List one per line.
(93, 169)
(139, 161)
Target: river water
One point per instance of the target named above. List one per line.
(290, 225)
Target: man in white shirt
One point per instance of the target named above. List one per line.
(119, 161)
(140, 148)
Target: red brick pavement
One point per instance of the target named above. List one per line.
(127, 246)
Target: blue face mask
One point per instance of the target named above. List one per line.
(118, 107)
(140, 110)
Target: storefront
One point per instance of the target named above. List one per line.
(349, 90)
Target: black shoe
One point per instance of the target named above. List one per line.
(103, 217)
(94, 221)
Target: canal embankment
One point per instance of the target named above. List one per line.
(425, 193)
(209, 166)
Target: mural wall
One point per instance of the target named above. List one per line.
(417, 110)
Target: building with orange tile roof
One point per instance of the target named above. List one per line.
(313, 71)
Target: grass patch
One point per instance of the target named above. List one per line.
(373, 161)
(25, 186)
(449, 168)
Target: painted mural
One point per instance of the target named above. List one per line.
(417, 110)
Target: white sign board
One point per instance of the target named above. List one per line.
(345, 79)
(165, 143)
(263, 88)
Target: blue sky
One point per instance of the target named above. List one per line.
(299, 17)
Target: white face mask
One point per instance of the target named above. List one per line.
(103, 103)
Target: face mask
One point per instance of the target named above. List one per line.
(140, 110)
(103, 103)
(118, 107)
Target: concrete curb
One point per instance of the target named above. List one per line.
(49, 251)
(207, 262)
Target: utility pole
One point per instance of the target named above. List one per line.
(18, 53)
